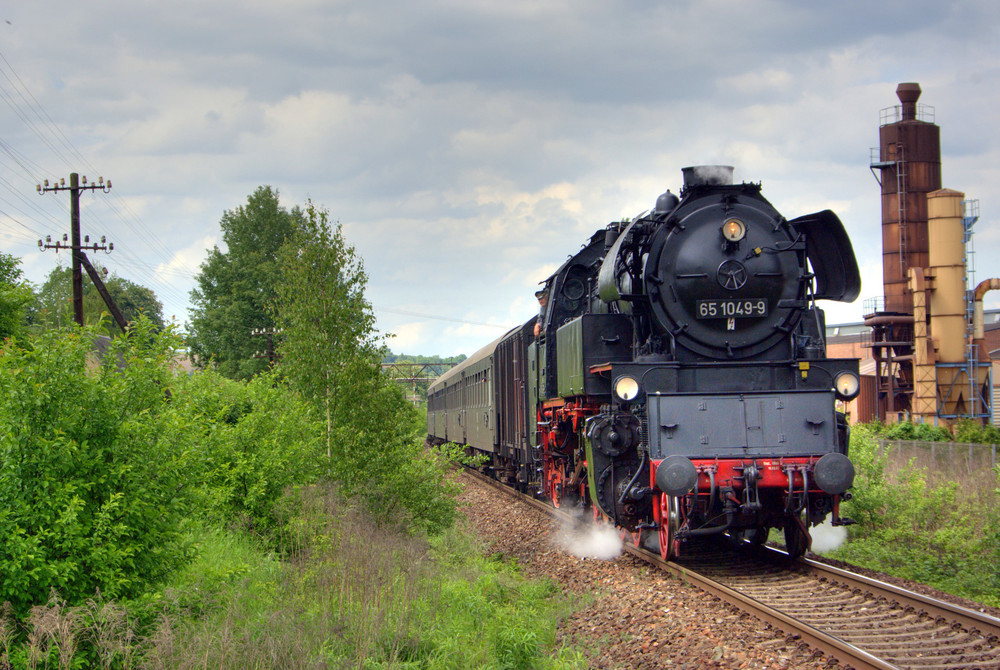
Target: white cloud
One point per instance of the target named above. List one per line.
(469, 147)
(186, 261)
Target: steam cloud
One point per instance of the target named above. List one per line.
(697, 175)
(585, 539)
(826, 538)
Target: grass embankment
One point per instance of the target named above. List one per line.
(347, 595)
(916, 524)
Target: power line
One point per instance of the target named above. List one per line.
(435, 317)
(117, 205)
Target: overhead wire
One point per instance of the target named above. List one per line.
(41, 124)
(34, 116)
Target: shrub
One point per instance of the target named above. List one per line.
(904, 430)
(94, 472)
(913, 530)
(970, 430)
(253, 440)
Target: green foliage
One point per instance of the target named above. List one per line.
(331, 354)
(424, 360)
(53, 308)
(330, 350)
(970, 430)
(236, 286)
(357, 595)
(419, 490)
(252, 441)
(15, 297)
(937, 535)
(489, 615)
(94, 472)
(904, 430)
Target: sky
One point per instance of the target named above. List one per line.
(469, 147)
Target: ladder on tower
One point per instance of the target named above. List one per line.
(970, 214)
(900, 160)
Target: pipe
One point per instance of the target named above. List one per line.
(627, 491)
(885, 319)
(710, 530)
(978, 329)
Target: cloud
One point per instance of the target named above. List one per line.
(469, 147)
(187, 261)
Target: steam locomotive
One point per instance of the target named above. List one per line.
(675, 380)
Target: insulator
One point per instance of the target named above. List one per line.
(46, 183)
(84, 179)
(111, 247)
(65, 237)
(48, 238)
(39, 244)
(62, 181)
(100, 180)
(103, 239)
(86, 239)
(38, 187)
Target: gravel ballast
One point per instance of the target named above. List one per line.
(638, 617)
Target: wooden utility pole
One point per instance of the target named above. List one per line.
(77, 247)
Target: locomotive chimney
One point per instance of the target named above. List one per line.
(707, 175)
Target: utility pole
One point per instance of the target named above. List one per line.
(77, 247)
(270, 333)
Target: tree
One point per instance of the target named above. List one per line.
(15, 297)
(54, 304)
(236, 286)
(332, 355)
(330, 350)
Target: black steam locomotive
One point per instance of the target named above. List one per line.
(676, 378)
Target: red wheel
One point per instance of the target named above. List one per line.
(669, 523)
(555, 480)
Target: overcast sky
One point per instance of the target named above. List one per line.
(469, 146)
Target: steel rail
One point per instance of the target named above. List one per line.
(828, 644)
(980, 621)
(834, 647)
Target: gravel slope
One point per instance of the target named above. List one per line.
(639, 617)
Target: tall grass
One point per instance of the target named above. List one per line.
(345, 593)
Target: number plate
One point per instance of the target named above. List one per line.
(746, 308)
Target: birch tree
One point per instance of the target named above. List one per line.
(330, 350)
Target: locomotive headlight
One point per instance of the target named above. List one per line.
(626, 387)
(734, 230)
(847, 385)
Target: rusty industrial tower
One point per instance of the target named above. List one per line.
(927, 359)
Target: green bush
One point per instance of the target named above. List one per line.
(94, 470)
(254, 439)
(970, 430)
(904, 430)
(917, 531)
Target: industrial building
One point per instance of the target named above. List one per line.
(926, 342)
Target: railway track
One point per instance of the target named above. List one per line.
(858, 621)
